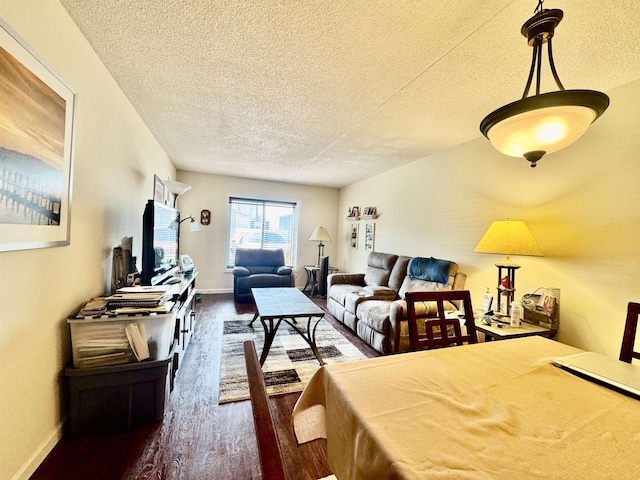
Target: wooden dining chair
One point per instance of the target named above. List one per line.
(627, 353)
(428, 308)
(271, 458)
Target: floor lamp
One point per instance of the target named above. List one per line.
(320, 235)
(508, 237)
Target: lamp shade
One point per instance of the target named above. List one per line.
(177, 188)
(194, 226)
(508, 237)
(320, 234)
(545, 123)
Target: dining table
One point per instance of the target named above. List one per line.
(494, 410)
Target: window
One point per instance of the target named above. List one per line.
(257, 223)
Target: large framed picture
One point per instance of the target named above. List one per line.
(36, 148)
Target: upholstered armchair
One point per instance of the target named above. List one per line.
(259, 268)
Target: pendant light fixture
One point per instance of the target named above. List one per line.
(548, 122)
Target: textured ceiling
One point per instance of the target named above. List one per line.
(332, 92)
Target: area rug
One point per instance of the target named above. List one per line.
(290, 363)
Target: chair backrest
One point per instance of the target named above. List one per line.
(627, 354)
(261, 260)
(379, 267)
(268, 446)
(439, 331)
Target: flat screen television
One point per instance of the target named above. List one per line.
(160, 242)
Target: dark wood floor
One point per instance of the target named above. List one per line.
(198, 439)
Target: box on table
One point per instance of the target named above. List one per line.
(102, 340)
(108, 399)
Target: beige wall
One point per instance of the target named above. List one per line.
(582, 205)
(318, 206)
(115, 160)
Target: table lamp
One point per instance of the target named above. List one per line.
(320, 235)
(508, 237)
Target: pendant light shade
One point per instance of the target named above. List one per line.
(548, 122)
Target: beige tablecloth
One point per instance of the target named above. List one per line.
(484, 411)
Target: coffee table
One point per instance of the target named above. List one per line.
(284, 304)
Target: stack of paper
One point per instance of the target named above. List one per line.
(112, 344)
(138, 340)
(137, 299)
(95, 306)
(103, 345)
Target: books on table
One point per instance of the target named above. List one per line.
(137, 299)
(112, 334)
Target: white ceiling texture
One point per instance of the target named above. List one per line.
(331, 92)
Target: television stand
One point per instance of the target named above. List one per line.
(116, 397)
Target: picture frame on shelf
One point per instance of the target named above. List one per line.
(369, 211)
(354, 212)
(158, 189)
(354, 235)
(369, 236)
(37, 130)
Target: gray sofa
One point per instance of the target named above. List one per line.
(372, 303)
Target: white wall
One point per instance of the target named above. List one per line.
(582, 205)
(318, 206)
(115, 160)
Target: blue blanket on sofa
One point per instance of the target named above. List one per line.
(430, 269)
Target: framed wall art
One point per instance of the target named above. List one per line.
(158, 189)
(354, 235)
(36, 148)
(369, 236)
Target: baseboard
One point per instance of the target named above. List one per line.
(206, 291)
(34, 461)
(214, 290)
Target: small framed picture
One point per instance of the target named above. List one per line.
(354, 212)
(354, 235)
(158, 189)
(369, 236)
(369, 211)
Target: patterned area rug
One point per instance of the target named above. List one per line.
(290, 363)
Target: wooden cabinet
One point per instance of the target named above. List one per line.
(185, 320)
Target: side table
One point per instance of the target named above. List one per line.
(501, 331)
(312, 278)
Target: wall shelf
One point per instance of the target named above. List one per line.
(362, 217)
